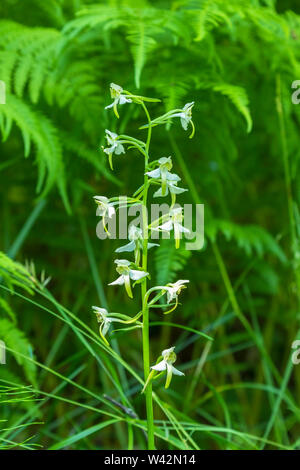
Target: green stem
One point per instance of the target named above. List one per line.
(146, 349)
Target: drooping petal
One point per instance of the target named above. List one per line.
(162, 365)
(181, 228)
(175, 190)
(129, 247)
(176, 371)
(118, 282)
(151, 245)
(166, 227)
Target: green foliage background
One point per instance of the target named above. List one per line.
(237, 60)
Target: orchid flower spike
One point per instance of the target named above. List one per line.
(118, 96)
(174, 222)
(169, 357)
(105, 208)
(115, 146)
(168, 180)
(135, 244)
(186, 117)
(126, 274)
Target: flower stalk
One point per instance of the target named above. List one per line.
(146, 347)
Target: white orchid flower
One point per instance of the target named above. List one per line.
(135, 244)
(169, 357)
(174, 222)
(105, 208)
(173, 290)
(186, 116)
(118, 96)
(163, 173)
(104, 319)
(115, 146)
(126, 274)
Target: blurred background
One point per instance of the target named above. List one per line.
(237, 60)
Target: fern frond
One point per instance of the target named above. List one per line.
(5, 307)
(206, 15)
(16, 340)
(142, 44)
(251, 238)
(36, 128)
(169, 261)
(238, 97)
(15, 274)
(102, 17)
(236, 94)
